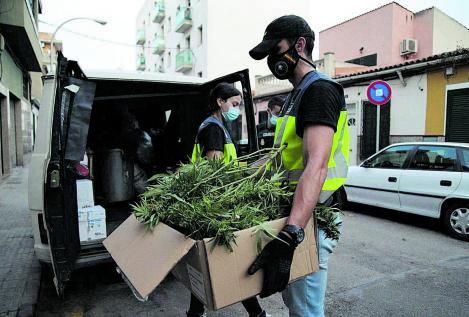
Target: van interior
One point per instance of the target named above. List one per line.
(138, 129)
(117, 130)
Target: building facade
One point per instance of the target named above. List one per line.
(430, 102)
(20, 53)
(392, 34)
(206, 38)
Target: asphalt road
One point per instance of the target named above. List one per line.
(386, 264)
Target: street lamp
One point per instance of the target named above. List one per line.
(102, 22)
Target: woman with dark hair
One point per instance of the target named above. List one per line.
(213, 141)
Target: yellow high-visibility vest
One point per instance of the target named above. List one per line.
(229, 150)
(292, 155)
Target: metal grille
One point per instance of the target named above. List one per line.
(457, 116)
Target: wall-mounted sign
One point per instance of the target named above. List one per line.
(379, 92)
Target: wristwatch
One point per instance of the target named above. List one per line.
(296, 232)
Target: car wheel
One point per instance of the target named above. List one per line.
(456, 220)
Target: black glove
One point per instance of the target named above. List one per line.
(275, 259)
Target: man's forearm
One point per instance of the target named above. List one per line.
(307, 195)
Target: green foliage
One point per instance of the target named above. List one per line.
(327, 220)
(208, 199)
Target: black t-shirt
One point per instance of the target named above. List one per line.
(320, 105)
(211, 138)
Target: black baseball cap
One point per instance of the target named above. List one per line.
(285, 27)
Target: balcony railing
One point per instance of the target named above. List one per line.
(269, 84)
(141, 62)
(141, 37)
(159, 11)
(158, 45)
(183, 19)
(184, 61)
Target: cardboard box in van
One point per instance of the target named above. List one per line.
(217, 277)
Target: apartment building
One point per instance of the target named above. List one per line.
(206, 38)
(392, 34)
(20, 54)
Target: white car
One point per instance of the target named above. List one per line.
(428, 179)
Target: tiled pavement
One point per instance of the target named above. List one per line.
(19, 269)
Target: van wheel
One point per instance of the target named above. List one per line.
(340, 198)
(456, 220)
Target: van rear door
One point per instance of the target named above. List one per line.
(245, 135)
(72, 110)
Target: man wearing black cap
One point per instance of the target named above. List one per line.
(313, 126)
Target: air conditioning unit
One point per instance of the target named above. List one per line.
(408, 46)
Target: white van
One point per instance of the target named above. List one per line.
(120, 126)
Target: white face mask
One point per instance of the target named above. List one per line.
(232, 114)
(273, 120)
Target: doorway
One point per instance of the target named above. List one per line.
(376, 128)
(457, 116)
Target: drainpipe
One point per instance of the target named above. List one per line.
(401, 78)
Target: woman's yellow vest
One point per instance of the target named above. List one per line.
(292, 155)
(229, 150)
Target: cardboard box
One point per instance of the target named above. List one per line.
(83, 224)
(218, 278)
(85, 196)
(92, 223)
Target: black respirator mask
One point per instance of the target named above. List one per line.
(283, 65)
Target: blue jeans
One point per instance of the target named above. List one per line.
(305, 297)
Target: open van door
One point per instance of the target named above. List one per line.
(245, 135)
(72, 110)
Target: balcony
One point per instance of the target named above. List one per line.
(19, 27)
(269, 84)
(158, 45)
(140, 36)
(183, 19)
(184, 61)
(158, 12)
(141, 62)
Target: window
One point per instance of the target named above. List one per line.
(188, 42)
(169, 24)
(200, 74)
(178, 48)
(162, 30)
(437, 158)
(201, 36)
(368, 60)
(169, 59)
(465, 160)
(26, 85)
(393, 157)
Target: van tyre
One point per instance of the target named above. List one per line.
(340, 199)
(456, 220)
